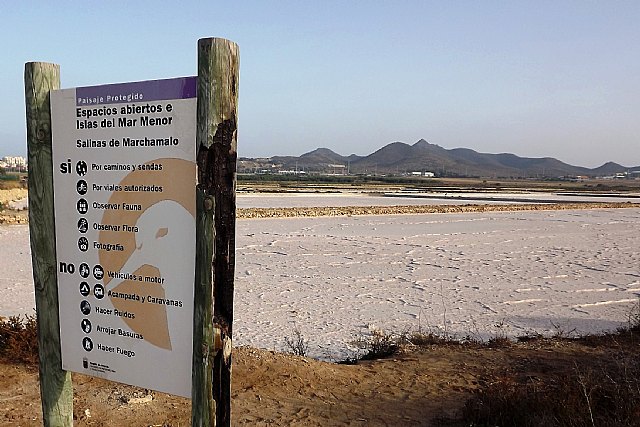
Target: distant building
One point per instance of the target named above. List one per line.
(425, 174)
(17, 163)
(291, 172)
(338, 169)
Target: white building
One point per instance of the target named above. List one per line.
(13, 162)
(426, 174)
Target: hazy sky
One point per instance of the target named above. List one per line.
(534, 78)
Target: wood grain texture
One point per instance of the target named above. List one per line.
(55, 384)
(216, 140)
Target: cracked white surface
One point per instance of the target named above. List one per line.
(480, 274)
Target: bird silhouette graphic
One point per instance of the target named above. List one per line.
(157, 265)
(157, 241)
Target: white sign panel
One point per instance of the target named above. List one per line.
(124, 177)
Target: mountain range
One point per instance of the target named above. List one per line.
(399, 158)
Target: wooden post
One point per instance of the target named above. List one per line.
(55, 384)
(215, 231)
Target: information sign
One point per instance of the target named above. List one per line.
(124, 197)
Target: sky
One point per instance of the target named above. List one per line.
(535, 78)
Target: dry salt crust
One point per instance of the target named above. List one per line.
(420, 198)
(483, 274)
(328, 200)
(337, 278)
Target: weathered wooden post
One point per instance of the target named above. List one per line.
(215, 231)
(55, 384)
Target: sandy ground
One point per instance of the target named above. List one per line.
(272, 389)
(13, 205)
(426, 387)
(13, 197)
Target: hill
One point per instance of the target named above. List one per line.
(399, 158)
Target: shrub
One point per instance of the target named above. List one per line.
(19, 339)
(608, 395)
(500, 338)
(381, 344)
(421, 339)
(297, 345)
(634, 317)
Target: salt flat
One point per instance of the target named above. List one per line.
(279, 200)
(297, 200)
(481, 274)
(336, 278)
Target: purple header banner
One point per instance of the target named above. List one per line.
(150, 90)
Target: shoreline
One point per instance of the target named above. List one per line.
(294, 212)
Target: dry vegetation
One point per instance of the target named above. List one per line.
(425, 209)
(19, 340)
